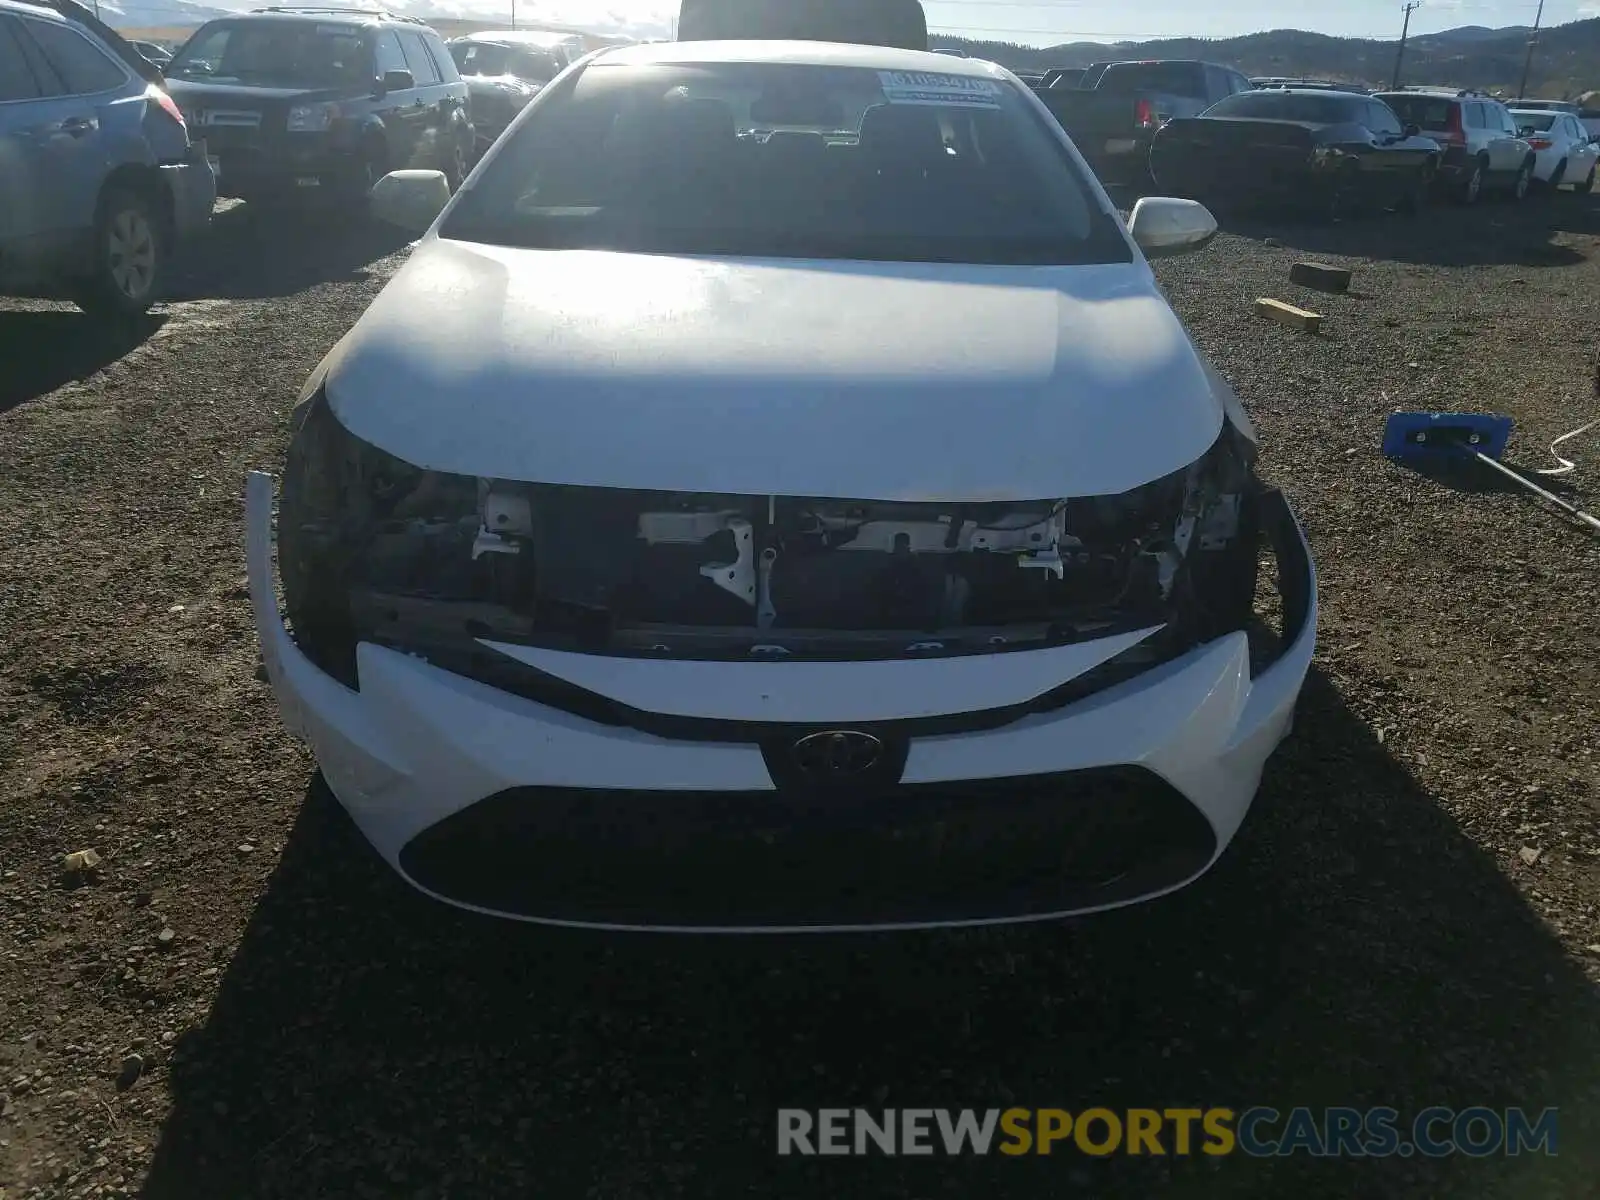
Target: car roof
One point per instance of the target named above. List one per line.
(816, 54)
(356, 18)
(40, 11)
(540, 38)
(1309, 91)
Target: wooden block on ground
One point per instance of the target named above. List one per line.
(1288, 314)
(1320, 276)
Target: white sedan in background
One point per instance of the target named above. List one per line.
(776, 495)
(1564, 152)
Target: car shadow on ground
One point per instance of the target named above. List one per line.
(43, 348)
(253, 253)
(1353, 948)
(1493, 232)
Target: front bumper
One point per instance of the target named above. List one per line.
(250, 164)
(491, 801)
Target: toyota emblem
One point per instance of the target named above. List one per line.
(837, 753)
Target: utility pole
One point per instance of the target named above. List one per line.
(1533, 40)
(1405, 29)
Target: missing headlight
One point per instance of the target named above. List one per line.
(372, 548)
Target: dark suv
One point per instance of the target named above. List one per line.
(321, 101)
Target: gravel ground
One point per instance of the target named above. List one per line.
(241, 1002)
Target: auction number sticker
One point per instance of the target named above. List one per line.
(934, 87)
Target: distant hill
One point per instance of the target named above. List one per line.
(133, 14)
(1566, 62)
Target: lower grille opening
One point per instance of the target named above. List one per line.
(986, 850)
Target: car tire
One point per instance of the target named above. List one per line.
(354, 203)
(130, 257)
(1587, 186)
(1558, 176)
(1521, 182)
(1472, 185)
(458, 161)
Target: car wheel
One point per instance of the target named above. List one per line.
(130, 257)
(1472, 186)
(1519, 185)
(359, 185)
(1587, 185)
(458, 164)
(1558, 176)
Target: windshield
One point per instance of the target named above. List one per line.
(1173, 78)
(489, 59)
(275, 54)
(786, 160)
(1425, 112)
(1288, 106)
(1534, 120)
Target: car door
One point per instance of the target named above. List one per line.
(1506, 150)
(70, 154)
(23, 213)
(426, 150)
(455, 117)
(398, 108)
(1582, 154)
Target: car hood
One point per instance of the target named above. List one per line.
(889, 381)
(498, 83)
(191, 91)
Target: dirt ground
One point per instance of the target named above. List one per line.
(244, 1003)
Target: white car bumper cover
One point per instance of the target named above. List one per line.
(417, 744)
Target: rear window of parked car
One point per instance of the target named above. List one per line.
(793, 161)
(1425, 112)
(1173, 78)
(1534, 120)
(1289, 106)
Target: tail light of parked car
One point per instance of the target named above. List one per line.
(1540, 143)
(1454, 133)
(1144, 114)
(167, 105)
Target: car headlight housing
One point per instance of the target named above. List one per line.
(312, 118)
(343, 505)
(373, 548)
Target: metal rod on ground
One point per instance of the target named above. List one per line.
(1573, 509)
(1405, 29)
(1533, 40)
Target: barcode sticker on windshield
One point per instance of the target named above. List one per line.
(932, 87)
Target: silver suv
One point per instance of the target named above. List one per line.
(99, 181)
(1478, 134)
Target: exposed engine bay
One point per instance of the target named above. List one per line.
(372, 548)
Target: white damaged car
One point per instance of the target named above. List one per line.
(775, 495)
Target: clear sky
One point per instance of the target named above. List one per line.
(1048, 22)
(1051, 21)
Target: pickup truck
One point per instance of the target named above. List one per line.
(1115, 112)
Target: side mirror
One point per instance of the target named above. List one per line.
(396, 81)
(1413, 130)
(1164, 226)
(410, 199)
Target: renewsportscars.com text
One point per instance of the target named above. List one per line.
(1257, 1132)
